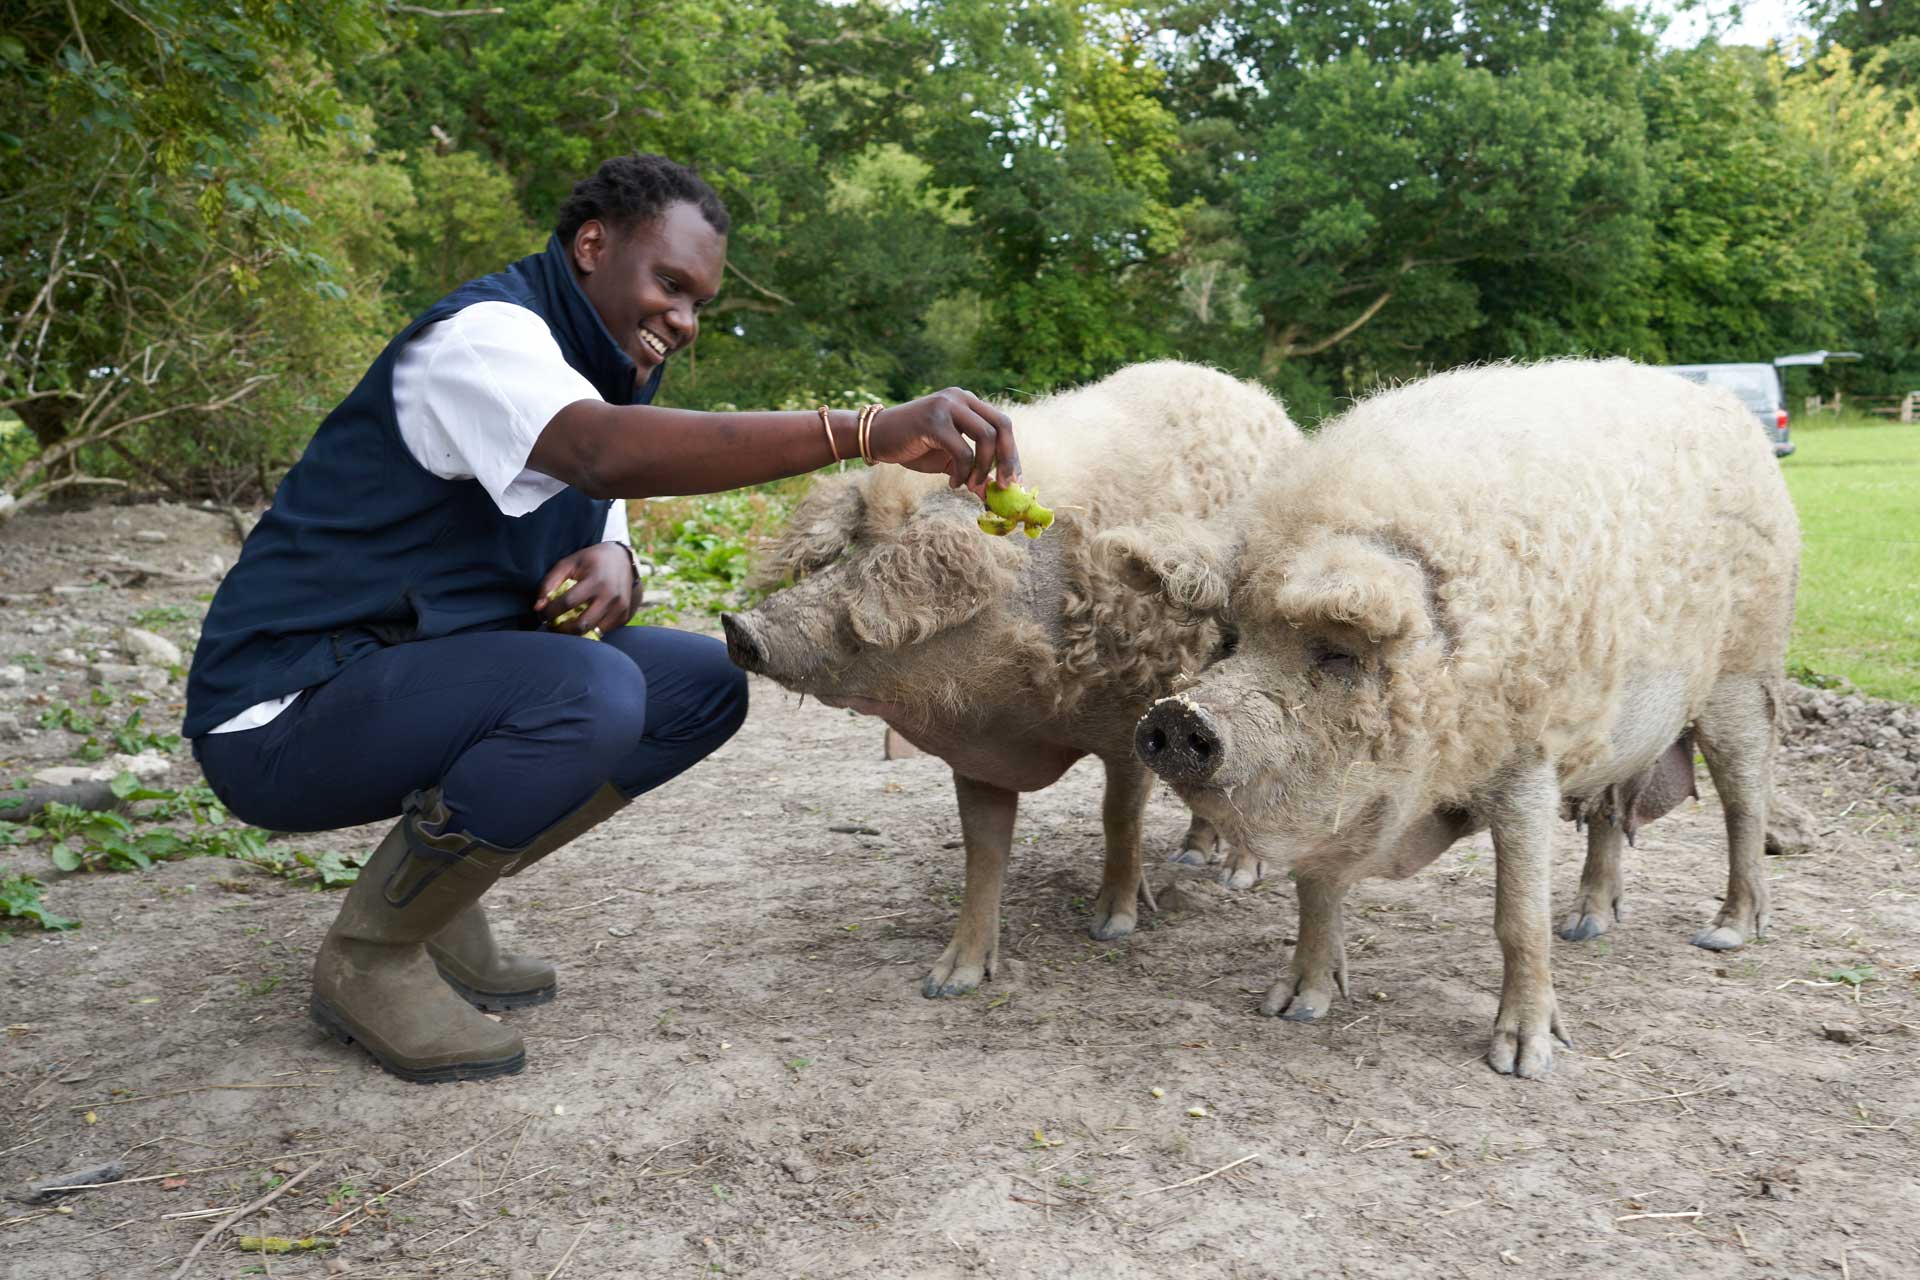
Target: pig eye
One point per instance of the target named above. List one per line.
(1229, 641)
(1336, 663)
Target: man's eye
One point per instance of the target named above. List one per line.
(668, 283)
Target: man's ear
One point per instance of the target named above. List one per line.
(1355, 582)
(1189, 565)
(589, 247)
(819, 529)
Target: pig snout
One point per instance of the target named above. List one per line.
(744, 646)
(1180, 741)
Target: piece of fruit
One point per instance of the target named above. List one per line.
(1014, 506)
(565, 586)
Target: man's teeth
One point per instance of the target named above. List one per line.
(658, 347)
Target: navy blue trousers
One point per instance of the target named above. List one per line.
(517, 728)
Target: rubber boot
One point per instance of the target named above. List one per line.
(374, 983)
(465, 951)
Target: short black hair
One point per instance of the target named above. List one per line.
(628, 190)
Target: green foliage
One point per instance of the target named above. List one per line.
(20, 900)
(168, 256)
(699, 549)
(465, 222)
(86, 840)
(216, 213)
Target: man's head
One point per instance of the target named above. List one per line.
(648, 240)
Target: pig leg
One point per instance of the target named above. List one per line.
(1201, 845)
(1599, 903)
(986, 825)
(1319, 964)
(1117, 908)
(1523, 817)
(1736, 736)
(1204, 847)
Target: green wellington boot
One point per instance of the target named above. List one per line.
(465, 951)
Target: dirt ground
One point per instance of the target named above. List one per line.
(741, 1078)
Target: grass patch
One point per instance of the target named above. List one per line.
(1856, 483)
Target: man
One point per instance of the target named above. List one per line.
(379, 647)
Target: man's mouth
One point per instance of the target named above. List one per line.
(654, 343)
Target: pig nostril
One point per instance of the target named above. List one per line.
(1200, 746)
(1156, 742)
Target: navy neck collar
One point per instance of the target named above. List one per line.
(571, 315)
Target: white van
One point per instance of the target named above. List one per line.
(1757, 385)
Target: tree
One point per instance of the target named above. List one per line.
(149, 219)
(1423, 176)
(1887, 27)
(1756, 251)
(1858, 137)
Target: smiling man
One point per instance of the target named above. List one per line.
(395, 640)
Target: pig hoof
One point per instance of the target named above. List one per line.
(938, 986)
(1190, 857)
(1579, 928)
(951, 976)
(1242, 870)
(1721, 937)
(1731, 929)
(1523, 1045)
(1114, 915)
(1297, 999)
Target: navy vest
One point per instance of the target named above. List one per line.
(363, 547)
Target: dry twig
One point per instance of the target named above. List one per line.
(1175, 1186)
(569, 1253)
(186, 1263)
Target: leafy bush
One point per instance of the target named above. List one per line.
(700, 548)
(90, 840)
(20, 900)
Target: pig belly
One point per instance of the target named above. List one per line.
(1016, 765)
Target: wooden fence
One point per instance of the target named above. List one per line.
(1906, 407)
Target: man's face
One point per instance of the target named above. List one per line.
(650, 281)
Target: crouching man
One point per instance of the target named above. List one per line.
(394, 639)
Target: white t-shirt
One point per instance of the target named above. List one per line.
(472, 394)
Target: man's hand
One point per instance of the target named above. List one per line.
(951, 432)
(603, 582)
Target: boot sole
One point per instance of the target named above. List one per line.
(497, 1001)
(336, 1026)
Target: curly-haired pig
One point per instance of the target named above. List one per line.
(1465, 604)
(1010, 658)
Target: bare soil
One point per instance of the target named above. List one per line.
(740, 1076)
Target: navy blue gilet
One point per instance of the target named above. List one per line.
(363, 547)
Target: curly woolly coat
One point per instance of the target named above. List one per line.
(1168, 437)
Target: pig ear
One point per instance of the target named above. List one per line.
(819, 529)
(1188, 564)
(935, 574)
(1360, 583)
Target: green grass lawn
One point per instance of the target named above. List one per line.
(1856, 483)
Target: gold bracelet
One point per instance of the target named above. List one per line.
(826, 426)
(867, 415)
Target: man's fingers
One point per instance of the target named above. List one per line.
(550, 586)
(1006, 452)
(960, 456)
(985, 449)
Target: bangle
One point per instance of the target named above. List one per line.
(826, 427)
(868, 412)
